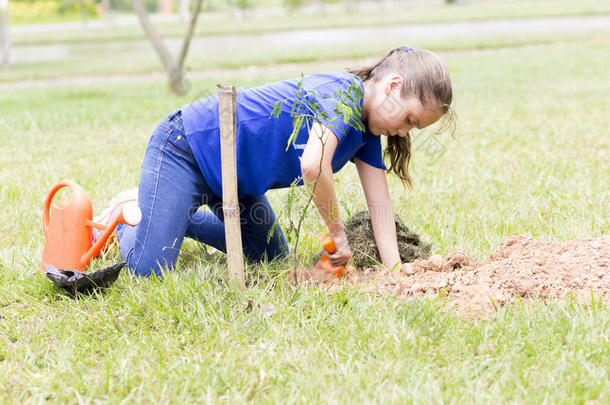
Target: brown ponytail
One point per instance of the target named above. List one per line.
(368, 72)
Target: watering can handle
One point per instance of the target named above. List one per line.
(49, 198)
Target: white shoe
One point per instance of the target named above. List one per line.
(125, 199)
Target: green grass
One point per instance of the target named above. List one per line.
(187, 339)
(530, 157)
(132, 58)
(125, 50)
(260, 21)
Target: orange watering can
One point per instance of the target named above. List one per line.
(68, 229)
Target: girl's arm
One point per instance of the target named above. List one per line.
(380, 207)
(317, 171)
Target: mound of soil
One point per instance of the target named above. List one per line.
(520, 268)
(362, 241)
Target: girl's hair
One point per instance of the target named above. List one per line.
(425, 76)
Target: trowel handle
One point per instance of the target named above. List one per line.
(329, 245)
(327, 242)
(49, 198)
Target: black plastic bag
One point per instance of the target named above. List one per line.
(74, 280)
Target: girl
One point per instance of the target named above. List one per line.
(407, 88)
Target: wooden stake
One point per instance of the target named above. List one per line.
(230, 203)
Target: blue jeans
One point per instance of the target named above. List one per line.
(170, 195)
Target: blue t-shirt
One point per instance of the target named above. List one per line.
(265, 160)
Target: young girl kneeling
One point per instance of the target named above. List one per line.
(408, 88)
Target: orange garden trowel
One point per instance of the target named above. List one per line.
(323, 271)
(324, 264)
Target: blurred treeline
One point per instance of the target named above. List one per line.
(34, 11)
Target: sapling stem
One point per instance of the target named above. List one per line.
(304, 211)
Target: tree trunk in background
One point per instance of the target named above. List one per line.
(84, 11)
(5, 41)
(184, 10)
(172, 67)
(105, 7)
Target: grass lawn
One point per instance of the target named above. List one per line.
(530, 157)
(262, 20)
(124, 50)
(137, 57)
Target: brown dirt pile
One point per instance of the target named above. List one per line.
(521, 268)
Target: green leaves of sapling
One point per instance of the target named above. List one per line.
(306, 109)
(349, 105)
(277, 109)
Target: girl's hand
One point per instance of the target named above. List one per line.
(344, 252)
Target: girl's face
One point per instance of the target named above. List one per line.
(387, 112)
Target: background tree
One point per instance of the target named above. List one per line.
(183, 9)
(173, 66)
(105, 7)
(5, 42)
(84, 11)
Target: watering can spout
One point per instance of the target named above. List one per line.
(130, 214)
